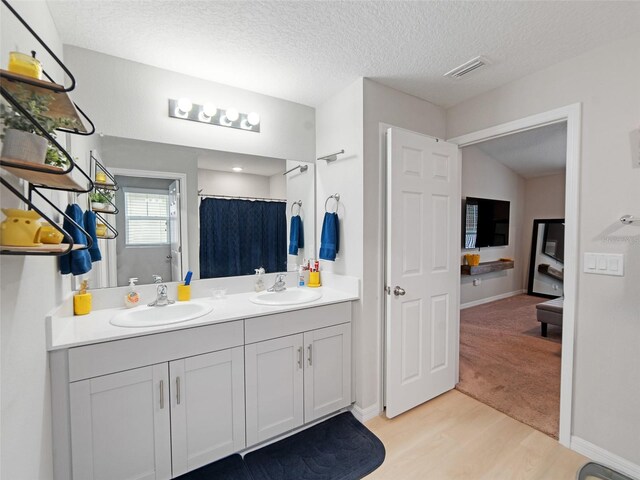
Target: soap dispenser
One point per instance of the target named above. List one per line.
(259, 285)
(132, 298)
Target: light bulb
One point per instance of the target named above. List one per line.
(184, 105)
(237, 169)
(232, 114)
(209, 109)
(253, 118)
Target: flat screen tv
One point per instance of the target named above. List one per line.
(485, 223)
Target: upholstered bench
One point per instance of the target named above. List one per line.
(549, 312)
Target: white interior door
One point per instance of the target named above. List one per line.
(174, 231)
(422, 271)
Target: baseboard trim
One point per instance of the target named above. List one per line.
(482, 301)
(605, 457)
(365, 414)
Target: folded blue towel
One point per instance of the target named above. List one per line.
(330, 238)
(78, 261)
(89, 219)
(296, 235)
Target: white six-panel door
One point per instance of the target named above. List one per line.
(274, 387)
(327, 371)
(422, 270)
(120, 426)
(207, 408)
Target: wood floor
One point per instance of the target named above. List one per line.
(456, 437)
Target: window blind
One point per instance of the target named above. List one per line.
(147, 218)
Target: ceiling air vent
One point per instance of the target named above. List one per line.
(468, 67)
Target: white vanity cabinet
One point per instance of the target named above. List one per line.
(296, 379)
(160, 405)
(123, 416)
(207, 408)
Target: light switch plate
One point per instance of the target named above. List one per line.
(604, 264)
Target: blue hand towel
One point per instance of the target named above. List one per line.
(76, 262)
(296, 235)
(330, 238)
(89, 219)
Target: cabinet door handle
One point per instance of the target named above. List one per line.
(310, 355)
(178, 390)
(161, 394)
(300, 357)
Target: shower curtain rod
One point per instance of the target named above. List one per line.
(243, 198)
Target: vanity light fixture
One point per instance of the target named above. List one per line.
(211, 114)
(207, 112)
(183, 107)
(237, 169)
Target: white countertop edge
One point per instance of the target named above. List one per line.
(67, 331)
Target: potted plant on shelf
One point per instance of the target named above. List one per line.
(22, 140)
(101, 200)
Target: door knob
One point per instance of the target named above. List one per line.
(169, 257)
(398, 291)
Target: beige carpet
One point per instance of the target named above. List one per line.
(506, 364)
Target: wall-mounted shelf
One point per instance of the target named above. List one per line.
(60, 107)
(104, 210)
(46, 176)
(486, 267)
(41, 249)
(105, 186)
(39, 175)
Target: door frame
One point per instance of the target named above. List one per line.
(184, 230)
(572, 114)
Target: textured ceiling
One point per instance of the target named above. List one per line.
(532, 153)
(305, 51)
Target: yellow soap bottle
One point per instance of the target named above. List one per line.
(82, 300)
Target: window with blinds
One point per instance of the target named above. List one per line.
(147, 217)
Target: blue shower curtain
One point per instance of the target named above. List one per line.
(238, 236)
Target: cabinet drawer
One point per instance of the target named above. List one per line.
(289, 323)
(109, 357)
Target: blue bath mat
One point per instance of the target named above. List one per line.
(340, 448)
(230, 468)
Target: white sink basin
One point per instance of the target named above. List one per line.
(295, 296)
(153, 316)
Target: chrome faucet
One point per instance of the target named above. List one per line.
(162, 300)
(279, 286)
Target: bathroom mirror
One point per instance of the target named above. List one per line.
(215, 213)
(546, 265)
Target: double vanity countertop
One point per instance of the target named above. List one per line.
(65, 330)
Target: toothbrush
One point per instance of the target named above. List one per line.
(187, 279)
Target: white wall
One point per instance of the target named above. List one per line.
(278, 186)
(485, 177)
(30, 287)
(382, 107)
(130, 100)
(544, 198)
(214, 182)
(605, 81)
